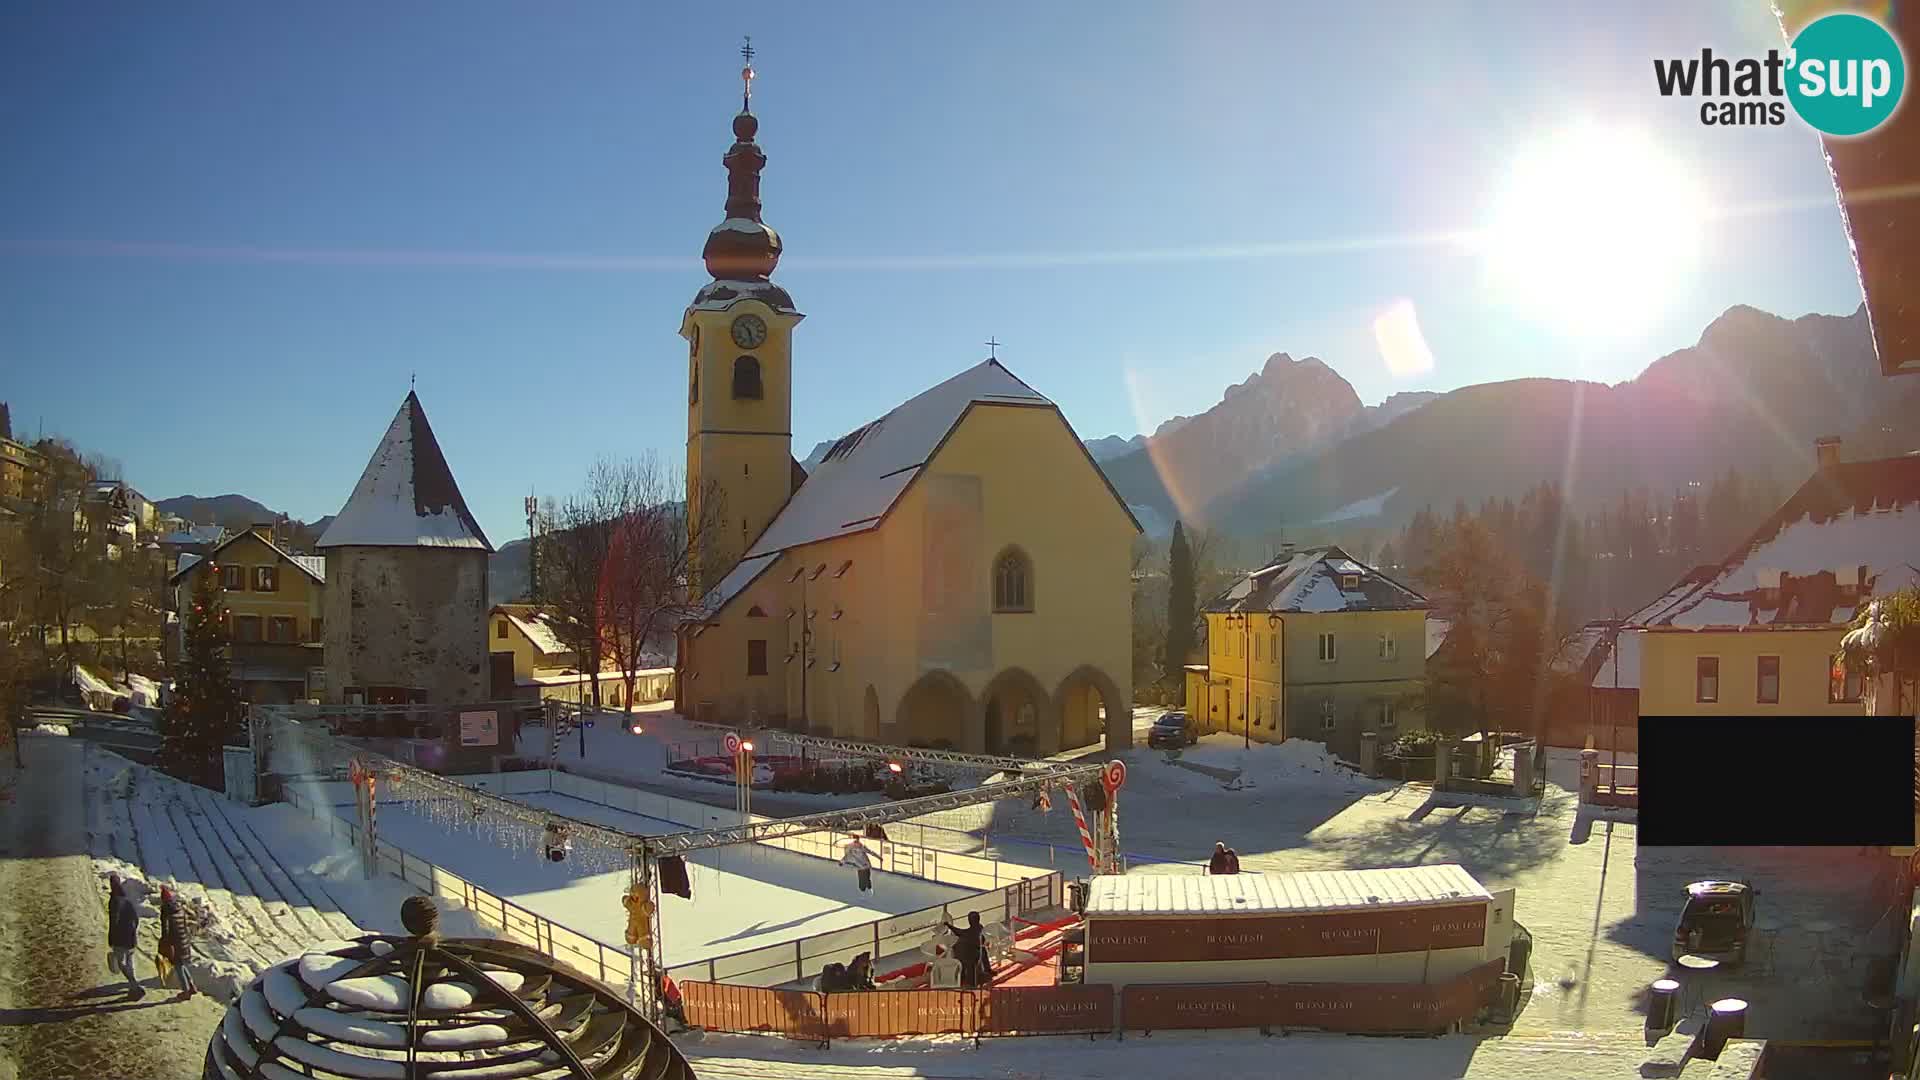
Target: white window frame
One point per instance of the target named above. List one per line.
(1328, 650)
(1778, 679)
(1389, 646)
(1387, 718)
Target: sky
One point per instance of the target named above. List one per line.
(231, 233)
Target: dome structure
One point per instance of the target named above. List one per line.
(420, 1006)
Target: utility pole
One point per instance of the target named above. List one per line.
(533, 548)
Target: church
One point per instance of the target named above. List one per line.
(954, 574)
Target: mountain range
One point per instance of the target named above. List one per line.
(1292, 446)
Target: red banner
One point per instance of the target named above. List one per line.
(1188, 939)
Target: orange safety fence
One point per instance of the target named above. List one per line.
(1380, 1007)
(799, 1014)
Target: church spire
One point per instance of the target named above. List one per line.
(743, 247)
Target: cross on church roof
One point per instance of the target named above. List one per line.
(746, 75)
(993, 349)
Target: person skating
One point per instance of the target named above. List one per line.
(123, 933)
(1218, 863)
(861, 860)
(970, 951)
(176, 945)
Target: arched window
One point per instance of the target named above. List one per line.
(1012, 581)
(746, 378)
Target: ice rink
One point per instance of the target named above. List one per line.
(744, 897)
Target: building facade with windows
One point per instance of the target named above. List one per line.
(955, 573)
(1314, 645)
(529, 660)
(1759, 632)
(275, 603)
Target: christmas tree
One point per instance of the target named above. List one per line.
(205, 711)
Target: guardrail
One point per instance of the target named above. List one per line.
(588, 956)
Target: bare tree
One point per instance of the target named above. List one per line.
(616, 564)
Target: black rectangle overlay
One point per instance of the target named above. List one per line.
(1767, 781)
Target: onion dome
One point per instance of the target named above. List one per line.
(421, 1006)
(743, 250)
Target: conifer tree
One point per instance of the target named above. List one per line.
(205, 710)
(1180, 605)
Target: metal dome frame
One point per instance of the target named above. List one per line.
(591, 1022)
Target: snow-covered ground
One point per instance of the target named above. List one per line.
(743, 897)
(274, 882)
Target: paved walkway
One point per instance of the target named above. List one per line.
(62, 1017)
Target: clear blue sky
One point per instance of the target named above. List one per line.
(229, 231)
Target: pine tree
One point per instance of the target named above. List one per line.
(205, 710)
(1180, 604)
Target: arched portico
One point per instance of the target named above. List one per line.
(1017, 716)
(1080, 697)
(934, 710)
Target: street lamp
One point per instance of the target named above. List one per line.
(1246, 667)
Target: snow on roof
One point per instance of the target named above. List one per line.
(407, 496)
(721, 294)
(866, 471)
(1623, 660)
(1579, 646)
(312, 564)
(1303, 892)
(539, 629)
(186, 564)
(194, 534)
(1309, 582)
(1856, 522)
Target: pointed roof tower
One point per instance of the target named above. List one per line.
(407, 496)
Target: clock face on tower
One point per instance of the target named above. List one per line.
(749, 331)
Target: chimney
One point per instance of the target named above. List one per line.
(1826, 451)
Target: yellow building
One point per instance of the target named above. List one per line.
(274, 609)
(954, 573)
(1759, 632)
(529, 660)
(21, 469)
(1316, 645)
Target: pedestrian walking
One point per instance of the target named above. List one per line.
(123, 933)
(175, 954)
(861, 860)
(1218, 863)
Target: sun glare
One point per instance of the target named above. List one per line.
(1593, 230)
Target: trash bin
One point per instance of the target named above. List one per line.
(1727, 1019)
(1509, 998)
(1663, 998)
(1519, 951)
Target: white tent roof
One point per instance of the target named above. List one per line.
(1298, 893)
(407, 496)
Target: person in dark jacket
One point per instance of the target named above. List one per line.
(1218, 863)
(860, 972)
(1233, 861)
(123, 933)
(176, 944)
(970, 950)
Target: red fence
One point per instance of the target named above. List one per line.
(1060, 1010)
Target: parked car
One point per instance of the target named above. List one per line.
(1173, 729)
(1715, 921)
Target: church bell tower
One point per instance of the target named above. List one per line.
(739, 332)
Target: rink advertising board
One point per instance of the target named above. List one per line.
(724, 1007)
(889, 1014)
(1042, 1010)
(1197, 939)
(1356, 1007)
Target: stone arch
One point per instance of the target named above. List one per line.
(870, 714)
(934, 710)
(1017, 715)
(1080, 696)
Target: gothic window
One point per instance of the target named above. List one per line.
(746, 378)
(1013, 581)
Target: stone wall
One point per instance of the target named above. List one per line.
(405, 616)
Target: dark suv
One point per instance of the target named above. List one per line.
(1715, 921)
(1173, 729)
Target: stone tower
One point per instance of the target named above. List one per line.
(406, 606)
(739, 332)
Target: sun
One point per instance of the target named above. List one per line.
(1593, 230)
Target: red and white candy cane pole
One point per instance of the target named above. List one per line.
(1112, 778)
(1086, 834)
(373, 827)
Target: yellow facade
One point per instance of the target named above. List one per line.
(1053, 668)
(1670, 667)
(739, 446)
(274, 608)
(548, 673)
(1365, 686)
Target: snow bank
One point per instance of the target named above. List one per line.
(49, 729)
(1295, 763)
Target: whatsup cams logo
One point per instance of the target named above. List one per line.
(1843, 74)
